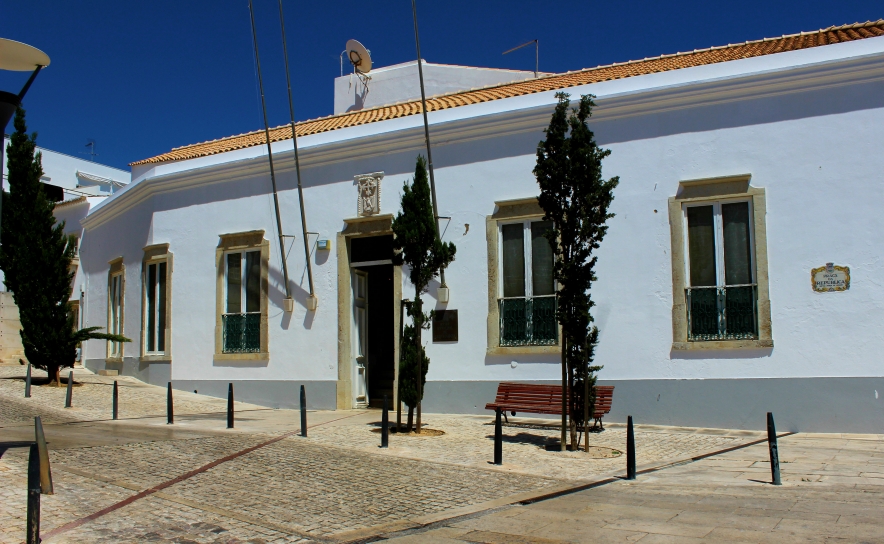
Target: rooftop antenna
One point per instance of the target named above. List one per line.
(360, 58)
(289, 302)
(92, 154)
(312, 301)
(536, 53)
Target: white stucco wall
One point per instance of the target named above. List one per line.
(808, 126)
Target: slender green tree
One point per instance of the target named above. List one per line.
(417, 244)
(36, 261)
(576, 198)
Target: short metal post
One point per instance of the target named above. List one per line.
(32, 531)
(303, 411)
(116, 400)
(385, 426)
(630, 450)
(230, 406)
(46, 487)
(774, 454)
(28, 382)
(498, 439)
(68, 398)
(170, 411)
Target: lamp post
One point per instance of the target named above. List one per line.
(16, 57)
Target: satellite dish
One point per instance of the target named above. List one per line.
(359, 56)
(21, 57)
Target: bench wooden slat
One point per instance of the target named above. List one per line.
(545, 399)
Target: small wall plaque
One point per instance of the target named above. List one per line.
(830, 278)
(445, 326)
(369, 187)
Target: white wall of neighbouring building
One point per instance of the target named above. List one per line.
(807, 126)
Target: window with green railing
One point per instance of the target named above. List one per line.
(527, 307)
(722, 301)
(241, 322)
(242, 333)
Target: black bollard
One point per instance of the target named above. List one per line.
(116, 400)
(774, 454)
(385, 426)
(32, 530)
(43, 452)
(230, 406)
(69, 397)
(303, 412)
(630, 450)
(170, 411)
(498, 439)
(28, 382)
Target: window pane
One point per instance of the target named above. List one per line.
(737, 249)
(701, 245)
(161, 304)
(151, 306)
(253, 281)
(541, 259)
(234, 283)
(513, 260)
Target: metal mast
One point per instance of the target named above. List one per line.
(285, 268)
(420, 71)
(297, 162)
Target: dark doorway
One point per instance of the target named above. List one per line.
(372, 255)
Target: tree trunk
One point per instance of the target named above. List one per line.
(564, 394)
(54, 371)
(410, 419)
(586, 405)
(419, 323)
(572, 405)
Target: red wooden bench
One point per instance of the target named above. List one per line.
(545, 399)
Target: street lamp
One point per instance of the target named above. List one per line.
(16, 57)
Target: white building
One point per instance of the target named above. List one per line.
(76, 185)
(744, 170)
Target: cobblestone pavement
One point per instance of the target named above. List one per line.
(468, 441)
(93, 399)
(336, 484)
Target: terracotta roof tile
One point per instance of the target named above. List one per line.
(546, 83)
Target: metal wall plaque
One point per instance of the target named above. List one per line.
(445, 326)
(830, 278)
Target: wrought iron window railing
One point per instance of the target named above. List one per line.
(528, 321)
(722, 313)
(242, 333)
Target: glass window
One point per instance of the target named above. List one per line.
(722, 297)
(528, 305)
(116, 311)
(155, 297)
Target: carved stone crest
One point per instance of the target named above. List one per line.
(369, 199)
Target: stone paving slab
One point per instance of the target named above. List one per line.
(711, 500)
(93, 399)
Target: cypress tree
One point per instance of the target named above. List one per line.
(417, 245)
(576, 198)
(36, 261)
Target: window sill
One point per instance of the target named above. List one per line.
(114, 360)
(156, 358)
(261, 356)
(722, 344)
(536, 350)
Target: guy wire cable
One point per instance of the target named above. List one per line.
(297, 162)
(285, 268)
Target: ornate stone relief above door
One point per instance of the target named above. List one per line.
(369, 200)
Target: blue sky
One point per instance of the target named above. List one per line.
(143, 77)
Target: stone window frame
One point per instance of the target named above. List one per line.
(242, 241)
(116, 267)
(155, 254)
(713, 190)
(507, 211)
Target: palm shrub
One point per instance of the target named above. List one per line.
(36, 260)
(576, 198)
(416, 243)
